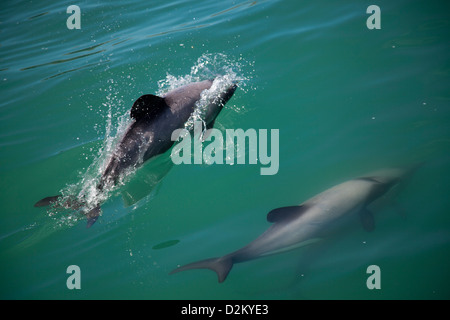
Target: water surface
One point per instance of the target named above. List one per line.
(346, 100)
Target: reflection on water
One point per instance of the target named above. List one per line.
(145, 179)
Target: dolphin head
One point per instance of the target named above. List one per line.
(185, 97)
(217, 96)
(393, 175)
(386, 179)
(206, 98)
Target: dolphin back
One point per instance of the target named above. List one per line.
(221, 266)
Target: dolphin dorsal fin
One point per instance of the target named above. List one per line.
(286, 213)
(147, 106)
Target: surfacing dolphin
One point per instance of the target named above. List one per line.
(149, 134)
(301, 225)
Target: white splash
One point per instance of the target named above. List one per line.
(225, 71)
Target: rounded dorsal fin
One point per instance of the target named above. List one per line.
(286, 213)
(147, 106)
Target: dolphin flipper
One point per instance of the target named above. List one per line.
(92, 216)
(221, 266)
(367, 219)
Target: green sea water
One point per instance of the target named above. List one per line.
(346, 100)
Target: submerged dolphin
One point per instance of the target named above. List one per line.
(300, 225)
(149, 134)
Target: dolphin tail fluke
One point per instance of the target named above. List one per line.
(221, 266)
(91, 215)
(47, 201)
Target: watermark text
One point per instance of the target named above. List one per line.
(231, 149)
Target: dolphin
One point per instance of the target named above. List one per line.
(303, 224)
(154, 118)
